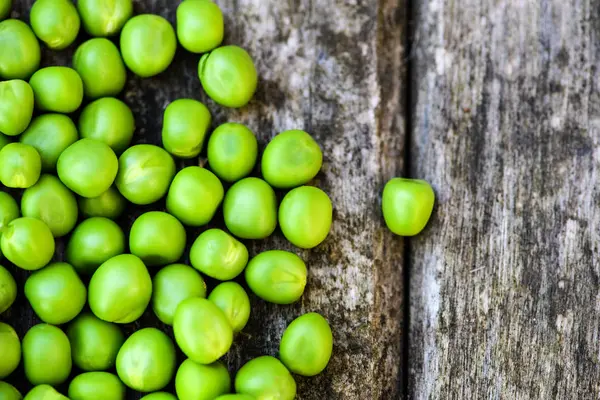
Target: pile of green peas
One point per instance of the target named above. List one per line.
(66, 184)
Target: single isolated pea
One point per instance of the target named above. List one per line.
(277, 276)
(96, 386)
(99, 63)
(10, 348)
(8, 294)
(51, 201)
(55, 22)
(57, 89)
(148, 44)
(109, 204)
(157, 238)
(202, 331)
(172, 285)
(250, 209)
(159, 396)
(200, 26)
(265, 377)
(94, 343)
(120, 289)
(407, 205)
(146, 361)
(103, 18)
(50, 135)
(219, 255)
(194, 196)
(9, 210)
(16, 106)
(108, 120)
(44, 392)
(88, 167)
(232, 151)
(20, 165)
(46, 355)
(56, 293)
(145, 173)
(20, 52)
(5, 6)
(8, 391)
(28, 243)
(233, 300)
(201, 382)
(236, 396)
(185, 123)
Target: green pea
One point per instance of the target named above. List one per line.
(234, 63)
(201, 382)
(57, 89)
(56, 293)
(194, 196)
(277, 276)
(235, 397)
(4, 140)
(10, 348)
(20, 165)
(148, 44)
(219, 255)
(407, 205)
(96, 386)
(51, 201)
(201, 330)
(109, 204)
(20, 52)
(200, 26)
(99, 63)
(172, 285)
(108, 120)
(50, 134)
(9, 210)
(16, 106)
(157, 238)
(94, 343)
(46, 355)
(28, 243)
(185, 123)
(291, 159)
(104, 17)
(8, 294)
(232, 151)
(8, 391)
(305, 216)
(120, 289)
(88, 167)
(265, 377)
(159, 396)
(250, 209)
(55, 22)
(44, 392)
(146, 362)
(93, 242)
(145, 173)
(5, 6)
(232, 299)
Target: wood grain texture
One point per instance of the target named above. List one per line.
(504, 294)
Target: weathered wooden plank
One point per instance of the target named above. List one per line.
(504, 283)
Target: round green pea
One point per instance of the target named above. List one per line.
(4, 140)
(146, 362)
(306, 345)
(94, 343)
(109, 204)
(51, 201)
(16, 106)
(96, 386)
(250, 209)
(305, 215)
(55, 22)
(232, 299)
(201, 382)
(407, 205)
(120, 289)
(9, 210)
(5, 6)
(57, 89)
(108, 120)
(28, 243)
(200, 26)
(88, 167)
(145, 173)
(201, 330)
(10, 348)
(56, 293)
(159, 396)
(265, 377)
(104, 17)
(185, 123)
(232, 151)
(148, 44)
(219, 255)
(277, 276)
(157, 238)
(8, 294)
(20, 52)
(194, 196)
(172, 285)
(291, 159)
(234, 63)
(20, 165)
(99, 63)
(50, 135)
(46, 355)
(8, 391)
(44, 392)
(235, 397)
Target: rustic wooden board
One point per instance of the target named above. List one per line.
(504, 295)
